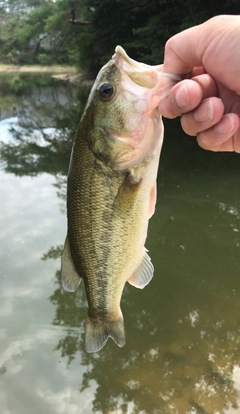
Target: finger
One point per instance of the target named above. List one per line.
(199, 70)
(166, 109)
(187, 95)
(224, 136)
(205, 116)
(183, 97)
(208, 85)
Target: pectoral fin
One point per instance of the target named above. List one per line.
(69, 276)
(144, 273)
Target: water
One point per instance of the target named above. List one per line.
(183, 339)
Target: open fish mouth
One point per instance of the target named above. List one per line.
(141, 73)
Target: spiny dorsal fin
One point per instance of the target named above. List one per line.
(69, 276)
(144, 273)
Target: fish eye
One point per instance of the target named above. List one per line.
(106, 91)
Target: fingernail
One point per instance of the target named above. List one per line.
(225, 126)
(204, 113)
(182, 97)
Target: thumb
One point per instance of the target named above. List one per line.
(211, 44)
(180, 56)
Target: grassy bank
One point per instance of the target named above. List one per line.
(65, 73)
(37, 68)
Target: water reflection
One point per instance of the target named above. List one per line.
(184, 362)
(183, 344)
(47, 117)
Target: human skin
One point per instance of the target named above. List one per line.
(208, 99)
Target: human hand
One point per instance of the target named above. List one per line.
(209, 101)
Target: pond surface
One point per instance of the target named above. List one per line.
(183, 330)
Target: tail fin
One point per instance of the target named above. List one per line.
(98, 332)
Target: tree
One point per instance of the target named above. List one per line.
(140, 26)
(86, 32)
(36, 31)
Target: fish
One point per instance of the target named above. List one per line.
(111, 191)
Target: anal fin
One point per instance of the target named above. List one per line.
(144, 273)
(69, 276)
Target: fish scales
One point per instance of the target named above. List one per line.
(101, 237)
(112, 192)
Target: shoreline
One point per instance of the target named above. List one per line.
(78, 79)
(37, 69)
(63, 73)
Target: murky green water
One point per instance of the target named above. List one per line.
(183, 330)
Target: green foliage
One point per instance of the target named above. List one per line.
(140, 26)
(36, 28)
(86, 32)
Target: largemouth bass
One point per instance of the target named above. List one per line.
(112, 191)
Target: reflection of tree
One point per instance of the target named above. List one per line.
(72, 312)
(177, 359)
(162, 369)
(31, 158)
(34, 149)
